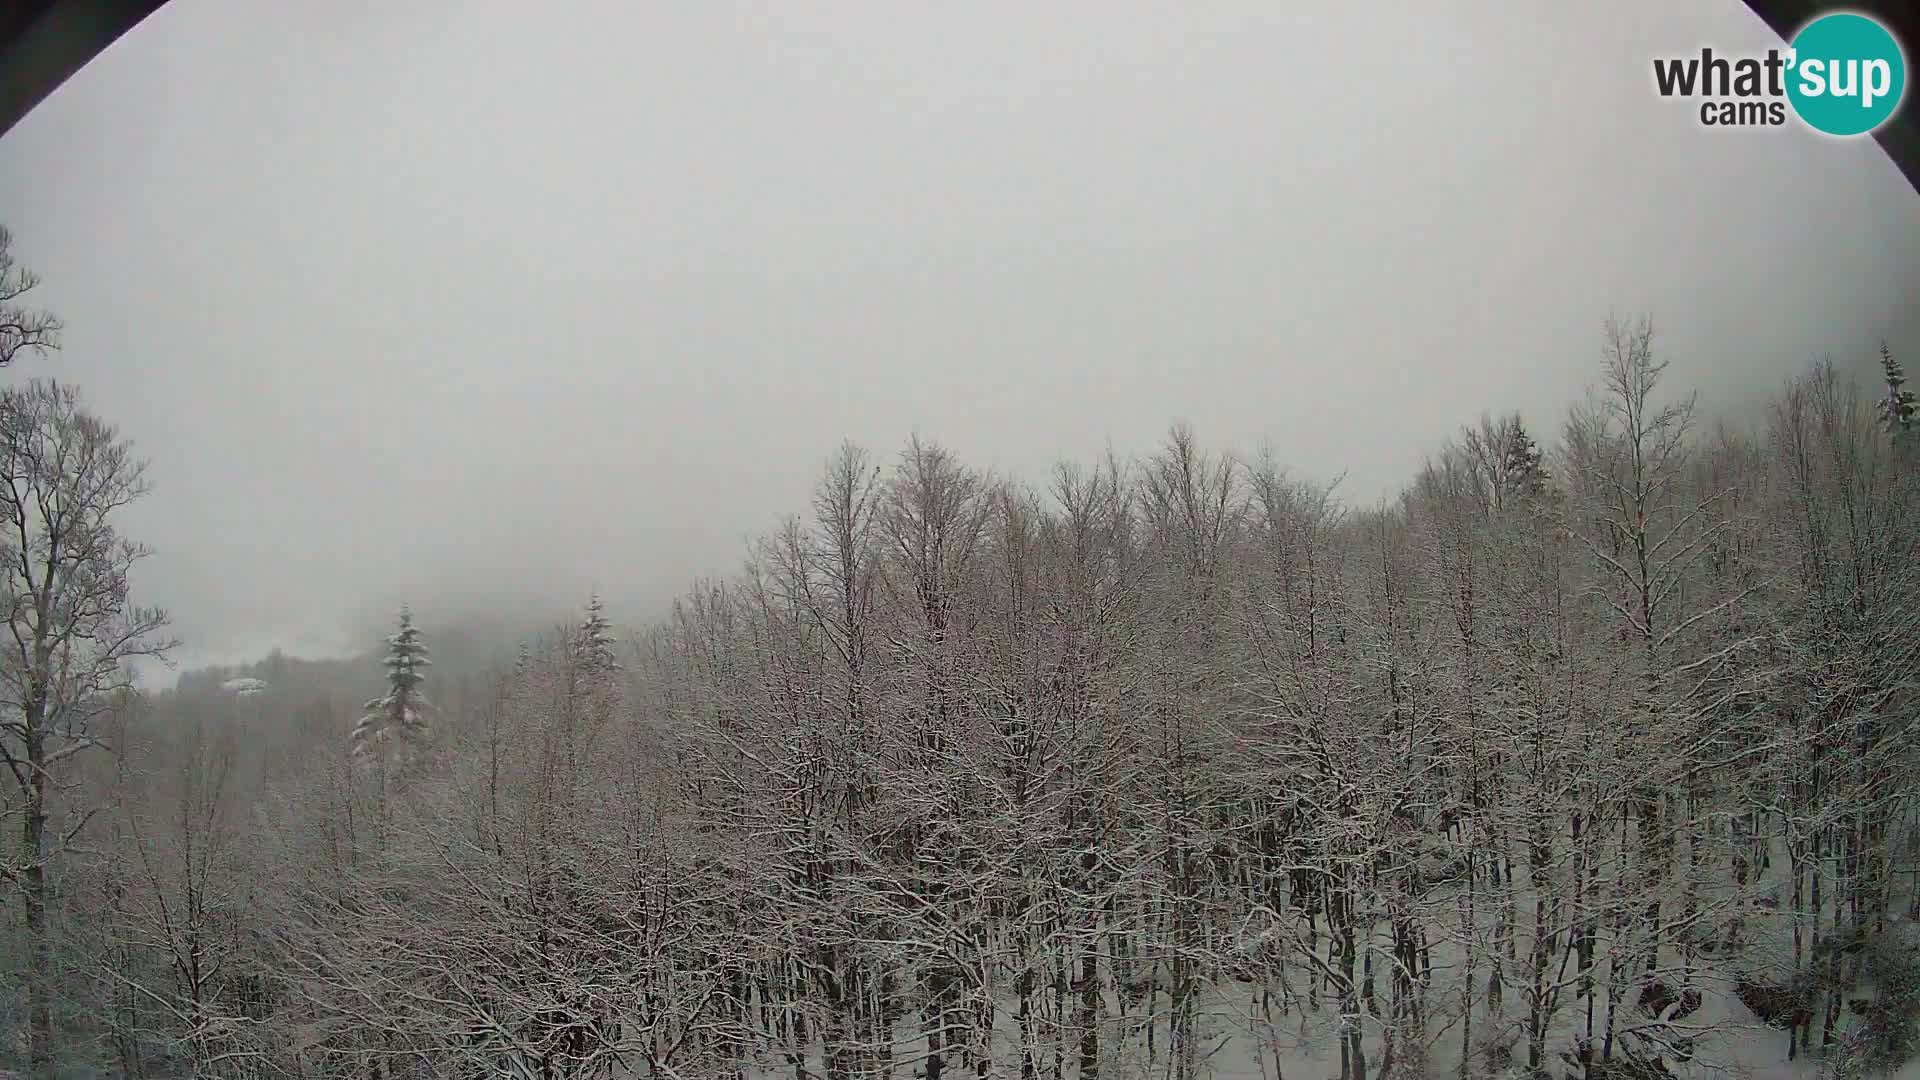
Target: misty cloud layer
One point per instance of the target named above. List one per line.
(479, 309)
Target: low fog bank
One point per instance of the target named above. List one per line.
(475, 617)
(463, 640)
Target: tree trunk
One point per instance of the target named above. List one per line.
(33, 849)
(1088, 1020)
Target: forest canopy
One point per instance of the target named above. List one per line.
(1590, 754)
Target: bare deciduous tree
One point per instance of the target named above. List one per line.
(72, 630)
(22, 328)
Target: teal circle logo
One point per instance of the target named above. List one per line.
(1847, 74)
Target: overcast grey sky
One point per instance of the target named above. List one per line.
(484, 304)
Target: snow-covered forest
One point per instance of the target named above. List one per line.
(1591, 754)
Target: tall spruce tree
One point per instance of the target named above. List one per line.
(593, 642)
(1526, 465)
(401, 714)
(1896, 410)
